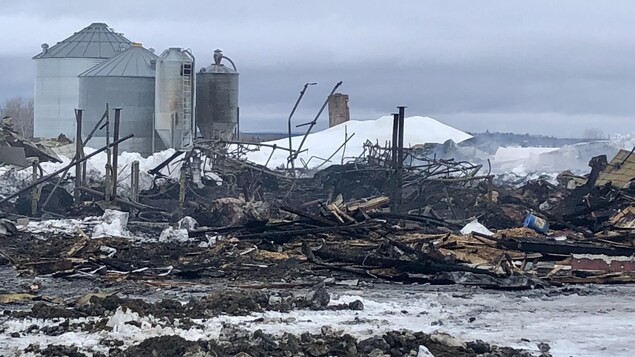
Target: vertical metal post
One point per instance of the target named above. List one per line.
(79, 151)
(238, 123)
(402, 117)
(394, 201)
(399, 163)
(35, 197)
(154, 133)
(115, 153)
(107, 180)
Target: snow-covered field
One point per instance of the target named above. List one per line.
(591, 321)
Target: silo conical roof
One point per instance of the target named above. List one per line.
(133, 62)
(94, 41)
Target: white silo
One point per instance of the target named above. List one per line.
(56, 70)
(173, 114)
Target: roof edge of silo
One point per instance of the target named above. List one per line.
(82, 44)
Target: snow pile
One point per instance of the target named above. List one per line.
(417, 130)
(113, 225)
(527, 161)
(180, 233)
(95, 168)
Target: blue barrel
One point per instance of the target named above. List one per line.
(536, 223)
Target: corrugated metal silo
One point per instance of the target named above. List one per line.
(174, 92)
(56, 70)
(125, 81)
(217, 99)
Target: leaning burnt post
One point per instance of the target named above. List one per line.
(79, 151)
(108, 176)
(182, 186)
(35, 193)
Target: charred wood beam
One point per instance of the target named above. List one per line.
(365, 259)
(416, 218)
(281, 237)
(533, 245)
(316, 219)
(156, 170)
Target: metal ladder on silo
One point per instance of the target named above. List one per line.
(186, 123)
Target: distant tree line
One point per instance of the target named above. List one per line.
(20, 110)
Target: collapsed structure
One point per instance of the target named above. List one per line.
(360, 203)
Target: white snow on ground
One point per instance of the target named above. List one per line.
(322, 144)
(13, 178)
(600, 324)
(95, 168)
(111, 224)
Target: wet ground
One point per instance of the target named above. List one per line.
(97, 316)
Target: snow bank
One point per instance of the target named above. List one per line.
(418, 130)
(96, 168)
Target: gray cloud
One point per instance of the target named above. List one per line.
(542, 66)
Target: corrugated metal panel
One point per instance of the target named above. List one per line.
(620, 171)
(133, 62)
(94, 41)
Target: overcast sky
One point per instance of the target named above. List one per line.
(548, 67)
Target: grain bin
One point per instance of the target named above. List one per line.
(217, 99)
(173, 121)
(56, 69)
(125, 81)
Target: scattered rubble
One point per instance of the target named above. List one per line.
(391, 214)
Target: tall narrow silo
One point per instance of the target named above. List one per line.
(217, 99)
(56, 70)
(173, 101)
(125, 81)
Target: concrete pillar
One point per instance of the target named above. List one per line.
(338, 109)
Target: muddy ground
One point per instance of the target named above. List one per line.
(93, 317)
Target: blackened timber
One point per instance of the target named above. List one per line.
(280, 237)
(416, 218)
(115, 152)
(79, 149)
(319, 220)
(534, 245)
(371, 261)
(156, 170)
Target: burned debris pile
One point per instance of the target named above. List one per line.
(389, 214)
